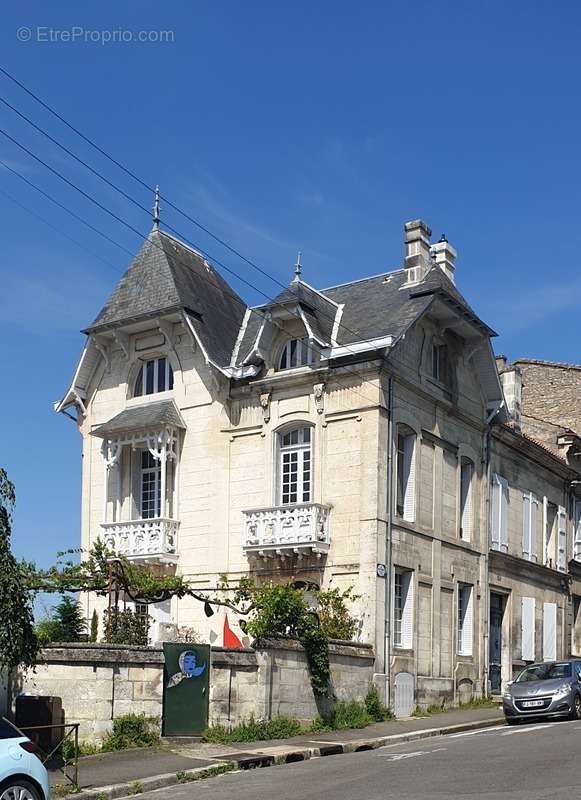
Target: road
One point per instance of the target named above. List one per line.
(528, 762)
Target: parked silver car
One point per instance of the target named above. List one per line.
(550, 689)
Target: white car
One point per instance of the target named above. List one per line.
(22, 774)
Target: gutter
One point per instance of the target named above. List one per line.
(388, 548)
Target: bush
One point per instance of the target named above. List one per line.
(253, 730)
(126, 627)
(335, 619)
(132, 730)
(352, 714)
(375, 708)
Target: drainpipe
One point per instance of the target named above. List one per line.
(486, 593)
(388, 548)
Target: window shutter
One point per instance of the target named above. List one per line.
(467, 628)
(577, 549)
(135, 484)
(562, 540)
(495, 514)
(407, 620)
(528, 628)
(545, 532)
(534, 517)
(549, 631)
(409, 464)
(466, 500)
(503, 515)
(526, 527)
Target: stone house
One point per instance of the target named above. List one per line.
(335, 437)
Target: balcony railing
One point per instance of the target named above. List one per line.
(146, 539)
(303, 528)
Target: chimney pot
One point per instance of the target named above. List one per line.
(417, 259)
(445, 257)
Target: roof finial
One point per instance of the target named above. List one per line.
(156, 210)
(298, 267)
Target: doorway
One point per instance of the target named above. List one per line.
(497, 606)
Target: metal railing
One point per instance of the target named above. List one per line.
(56, 757)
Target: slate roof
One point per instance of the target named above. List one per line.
(147, 416)
(167, 275)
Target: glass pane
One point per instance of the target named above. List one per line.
(161, 375)
(149, 370)
(139, 384)
(284, 358)
(306, 435)
(170, 377)
(293, 353)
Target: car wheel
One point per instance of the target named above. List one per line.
(18, 789)
(509, 721)
(576, 707)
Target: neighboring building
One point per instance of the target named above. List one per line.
(336, 437)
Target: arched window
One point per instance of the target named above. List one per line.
(154, 376)
(297, 353)
(295, 466)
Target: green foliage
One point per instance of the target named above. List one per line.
(352, 714)
(136, 787)
(94, 626)
(132, 730)
(480, 702)
(47, 630)
(254, 730)
(18, 642)
(71, 621)
(126, 627)
(200, 774)
(375, 708)
(336, 621)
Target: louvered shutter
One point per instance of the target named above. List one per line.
(503, 515)
(466, 500)
(526, 527)
(528, 628)
(495, 513)
(533, 527)
(549, 631)
(562, 539)
(577, 549)
(409, 466)
(467, 626)
(407, 619)
(546, 534)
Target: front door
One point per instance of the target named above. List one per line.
(186, 682)
(495, 644)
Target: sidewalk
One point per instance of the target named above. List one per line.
(114, 775)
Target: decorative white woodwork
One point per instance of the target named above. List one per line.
(283, 530)
(143, 539)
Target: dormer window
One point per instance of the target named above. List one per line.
(154, 376)
(440, 362)
(297, 353)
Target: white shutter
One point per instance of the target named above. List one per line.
(562, 539)
(528, 628)
(503, 515)
(466, 500)
(409, 466)
(534, 517)
(407, 618)
(577, 547)
(546, 535)
(467, 626)
(549, 631)
(495, 514)
(526, 526)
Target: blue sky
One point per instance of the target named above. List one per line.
(313, 126)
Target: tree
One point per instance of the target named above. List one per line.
(94, 626)
(70, 619)
(18, 641)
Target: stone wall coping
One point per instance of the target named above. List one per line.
(337, 647)
(91, 653)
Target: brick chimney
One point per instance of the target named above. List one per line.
(417, 259)
(445, 257)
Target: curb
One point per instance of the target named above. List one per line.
(246, 761)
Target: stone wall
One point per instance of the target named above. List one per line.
(98, 683)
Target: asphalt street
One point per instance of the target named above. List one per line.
(527, 762)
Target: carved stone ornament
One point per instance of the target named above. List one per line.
(319, 393)
(265, 403)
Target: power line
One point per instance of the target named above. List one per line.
(146, 238)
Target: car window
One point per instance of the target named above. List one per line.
(8, 730)
(545, 672)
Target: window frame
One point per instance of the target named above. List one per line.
(440, 361)
(499, 526)
(405, 465)
(465, 620)
(142, 377)
(304, 451)
(304, 352)
(403, 608)
(154, 469)
(530, 518)
(466, 500)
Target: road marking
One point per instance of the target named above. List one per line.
(477, 733)
(402, 756)
(543, 726)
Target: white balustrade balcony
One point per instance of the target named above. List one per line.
(143, 539)
(284, 530)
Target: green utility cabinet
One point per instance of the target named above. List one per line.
(186, 688)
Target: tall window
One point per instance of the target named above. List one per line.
(297, 353)
(529, 532)
(403, 608)
(405, 473)
(154, 376)
(577, 539)
(295, 466)
(150, 486)
(549, 521)
(561, 539)
(465, 615)
(440, 362)
(466, 473)
(499, 514)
